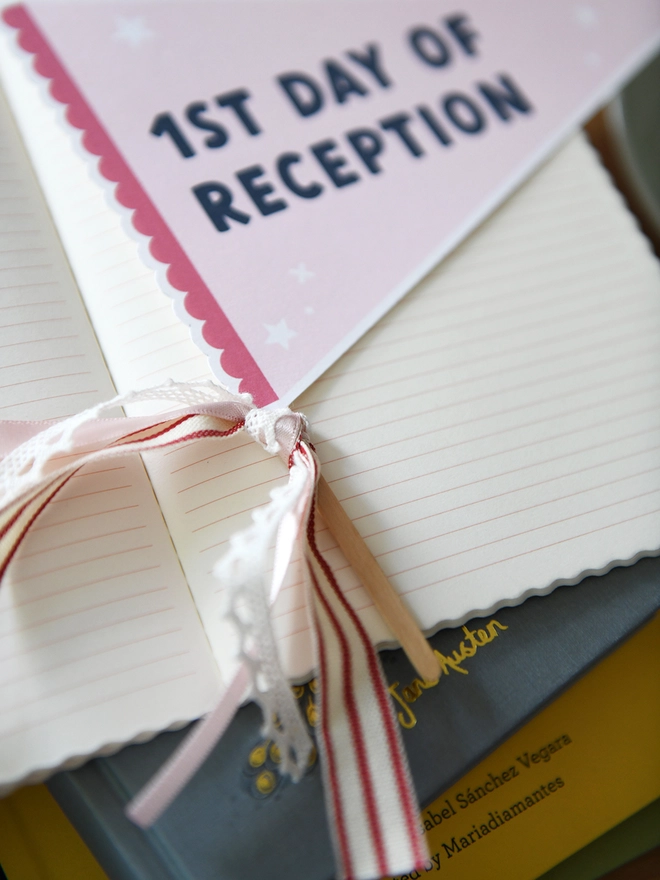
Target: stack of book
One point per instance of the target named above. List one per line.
(582, 765)
(523, 465)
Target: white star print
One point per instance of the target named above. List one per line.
(592, 59)
(302, 273)
(279, 334)
(309, 310)
(132, 31)
(586, 16)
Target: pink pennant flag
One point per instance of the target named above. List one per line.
(300, 166)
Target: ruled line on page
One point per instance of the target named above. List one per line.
(44, 339)
(87, 472)
(512, 312)
(625, 396)
(53, 378)
(52, 525)
(118, 646)
(415, 376)
(479, 420)
(40, 361)
(576, 450)
(104, 624)
(130, 573)
(22, 305)
(95, 493)
(78, 541)
(51, 720)
(534, 383)
(650, 513)
(539, 483)
(69, 565)
(512, 535)
(238, 492)
(94, 680)
(551, 276)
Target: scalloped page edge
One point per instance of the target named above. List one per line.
(103, 749)
(221, 340)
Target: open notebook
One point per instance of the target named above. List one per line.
(497, 434)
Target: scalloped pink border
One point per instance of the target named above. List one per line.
(217, 330)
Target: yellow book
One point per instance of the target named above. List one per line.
(581, 766)
(37, 841)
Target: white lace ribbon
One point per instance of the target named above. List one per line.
(368, 791)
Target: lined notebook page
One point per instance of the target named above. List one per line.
(494, 436)
(99, 639)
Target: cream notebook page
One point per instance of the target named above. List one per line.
(494, 436)
(99, 639)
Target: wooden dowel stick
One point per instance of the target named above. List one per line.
(385, 598)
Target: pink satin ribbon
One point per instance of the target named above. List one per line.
(369, 795)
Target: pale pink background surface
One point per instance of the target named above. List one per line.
(368, 243)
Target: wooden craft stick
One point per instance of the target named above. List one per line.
(385, 598)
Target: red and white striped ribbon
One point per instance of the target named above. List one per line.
(368, 791)
(370, 799)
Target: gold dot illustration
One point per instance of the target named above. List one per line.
(266, 782)
(257, 756)
(275, 755)
(312, 713)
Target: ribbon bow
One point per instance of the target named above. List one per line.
(369, 795)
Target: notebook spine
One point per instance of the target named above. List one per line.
(96, 810)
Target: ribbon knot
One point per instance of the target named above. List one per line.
(277, 430)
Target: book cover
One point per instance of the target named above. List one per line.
(38, 843)
(583, 765)
(635, 837)
(237, 818)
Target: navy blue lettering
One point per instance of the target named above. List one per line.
(505, 98)
(216, 199)
(284, 163)
(304, 93)
(432, 121)
(259, 191)
(333, 164)
(367, 144)
(398, 123)
(342, 82)
(164, 123)
(460, 28)
(194, 115)
(464, 113)
(429, 47)
(236, 100)
(371, 61)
